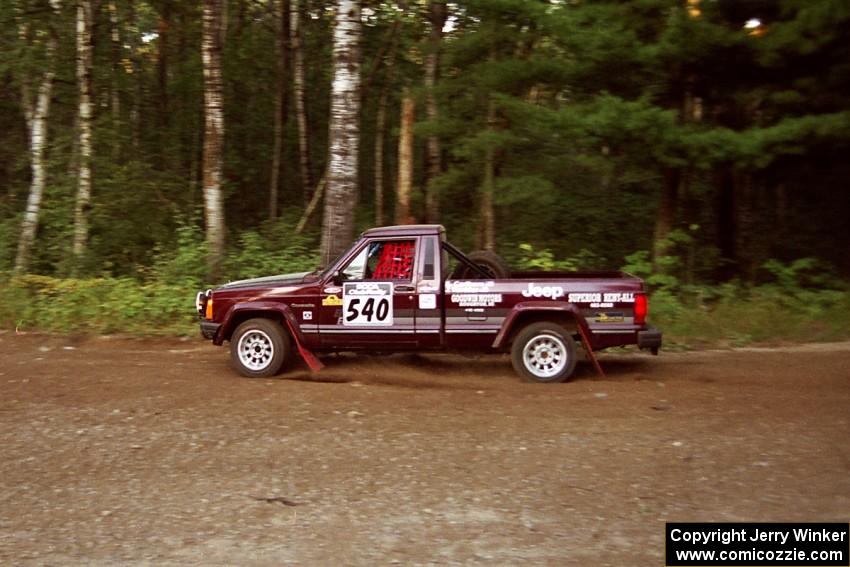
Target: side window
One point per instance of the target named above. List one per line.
(391, 260)
(382, 260)
(428, 265)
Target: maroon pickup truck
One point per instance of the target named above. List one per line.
(406, 288)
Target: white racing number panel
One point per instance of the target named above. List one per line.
(367, 304)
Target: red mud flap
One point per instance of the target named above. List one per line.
(313, 363)
(587, 347)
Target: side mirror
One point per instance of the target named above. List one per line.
(337, 278)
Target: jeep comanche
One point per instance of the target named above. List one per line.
(395, 290)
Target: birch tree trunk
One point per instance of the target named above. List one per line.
(405, 160)
(37, 114)
(437, 14)
(281, 105)
(84, 65)
(296, 39)
(343, 133)
(213, 135)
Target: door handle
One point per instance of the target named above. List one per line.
(404, 288)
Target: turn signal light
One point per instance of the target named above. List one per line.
(641, 308)
(209, 311)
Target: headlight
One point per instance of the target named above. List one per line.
(201, 300)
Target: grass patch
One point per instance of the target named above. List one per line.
(97, 305)
(739, 317)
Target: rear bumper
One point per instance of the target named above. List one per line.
(649, 338)
(209, 329)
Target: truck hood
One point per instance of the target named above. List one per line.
(281, 279)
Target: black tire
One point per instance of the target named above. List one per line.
(490, 262)
(544, 352)
(265, 348)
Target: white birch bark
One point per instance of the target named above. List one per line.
(84, 182)
(344, 132)
(213, 134)
(37, 125)
(36, 114)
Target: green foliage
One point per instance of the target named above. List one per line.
(160, 301)
(799, 275)
(99, 305)
(282, 252)
(797, 303)
(530, 258)
(185, 263)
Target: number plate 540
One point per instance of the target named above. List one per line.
(367, 304)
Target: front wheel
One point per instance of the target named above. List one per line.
(544, 352)
(259, 348)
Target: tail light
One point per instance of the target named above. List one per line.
(641, 308)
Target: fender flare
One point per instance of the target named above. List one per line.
(279, 309)
(559, 307)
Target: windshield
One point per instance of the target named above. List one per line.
(323, 271)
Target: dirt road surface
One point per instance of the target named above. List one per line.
(154, 452)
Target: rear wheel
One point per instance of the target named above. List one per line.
(544, 352)
(259, 348)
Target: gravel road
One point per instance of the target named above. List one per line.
(123, 451)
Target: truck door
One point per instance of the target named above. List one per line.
(372, 303)
(429, 296)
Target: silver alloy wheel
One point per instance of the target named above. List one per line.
(256, 350)
(545, 355)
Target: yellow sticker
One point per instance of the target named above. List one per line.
(331, 301)
(605, 318)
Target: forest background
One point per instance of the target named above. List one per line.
(151, 148)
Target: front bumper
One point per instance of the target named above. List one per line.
(209, 328)
(649, 338)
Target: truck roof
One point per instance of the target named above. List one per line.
(405, 230)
